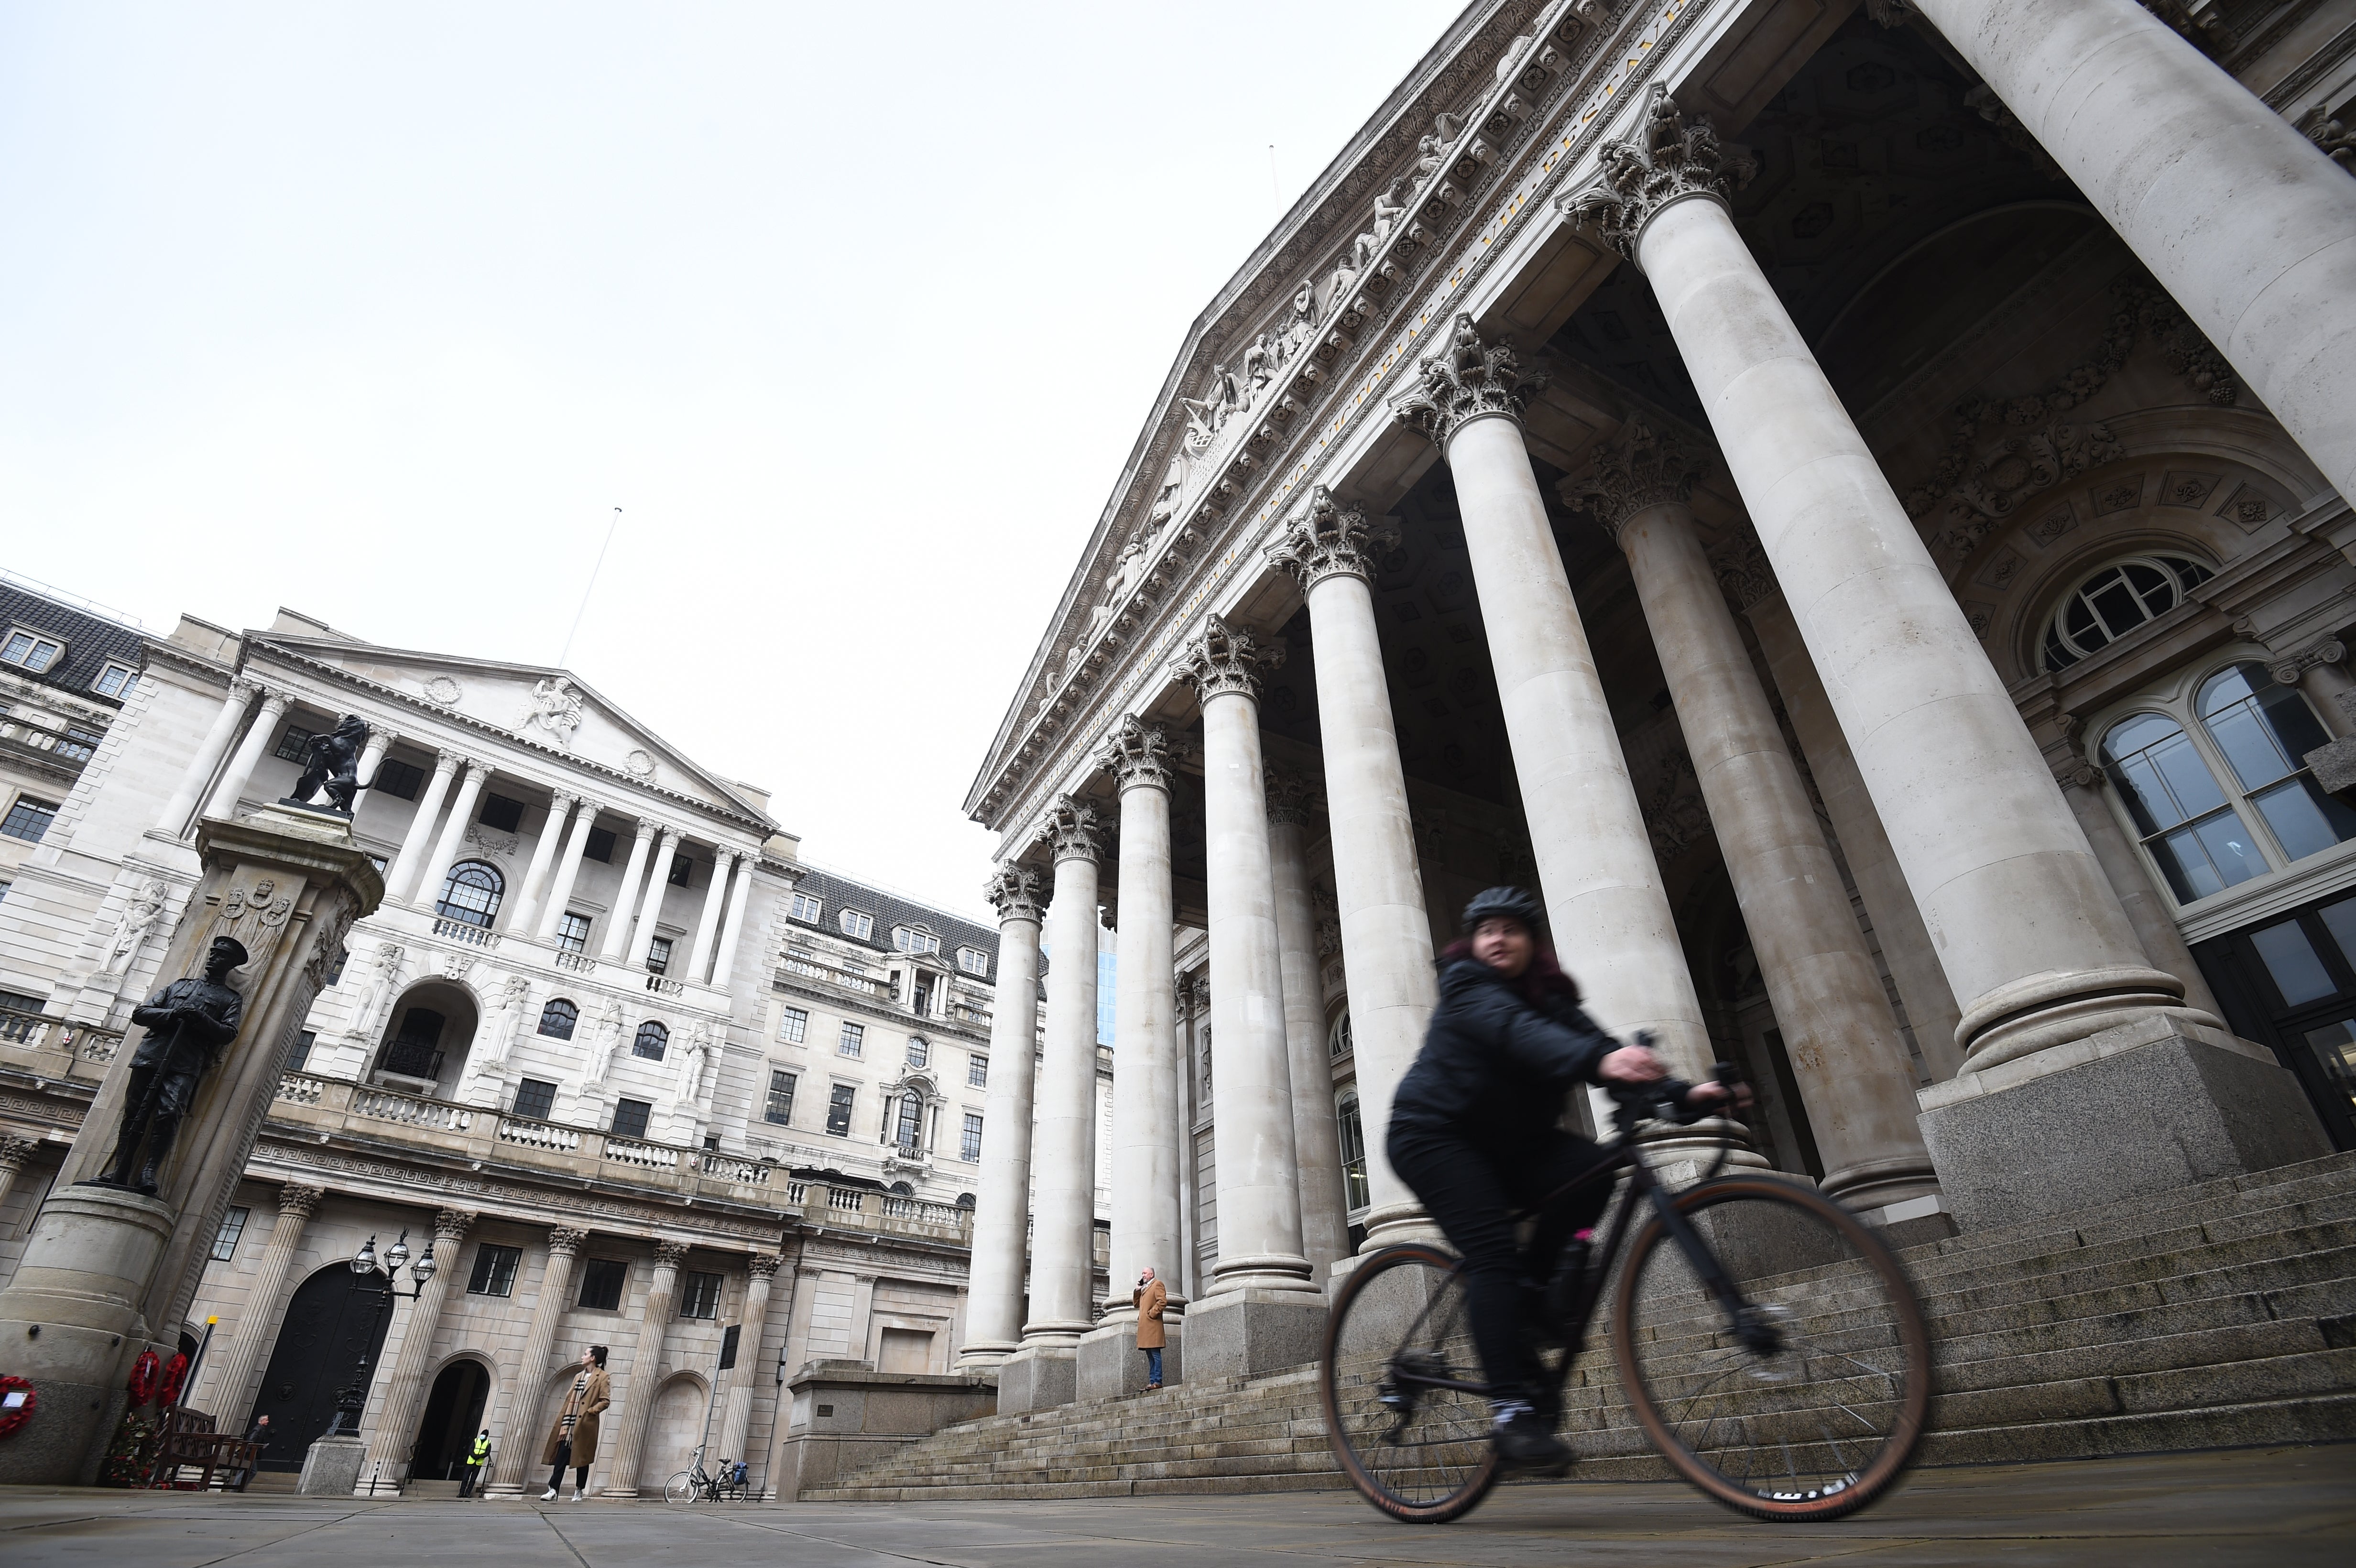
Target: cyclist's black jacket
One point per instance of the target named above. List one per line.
(1494, 1068)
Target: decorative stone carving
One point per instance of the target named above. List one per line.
(1636, 470)
(764, 1266)
(444, 692)
(451, 1225)
(1139, 754)
(1466, 380)
(640, 762)
(384, 978)
(1675, 159)
(1015, 891)
(670, 1255)
(15, 1151)
(1326, 540)
(565, 1242)
(1740, 563)
(1073, 831)
(1290, 799)
(455, 965)
(1675, 818)
(692, 1060)
(554, 710)
(508, 1012)
(1224, 660)
(2323, 651)
(133, 928)
(2332, 136)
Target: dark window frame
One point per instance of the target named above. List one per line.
(531, 1103)
(608, 1279)
(494, 1270)
(630, 1119)
(570, 1018)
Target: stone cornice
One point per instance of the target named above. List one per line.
(1634, 470)
(1326, 540)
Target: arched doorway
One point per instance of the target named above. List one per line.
(427, 1039)
(674, 1427)
(336, 1317)
(454, 1413)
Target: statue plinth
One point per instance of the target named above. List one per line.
(109, 1270)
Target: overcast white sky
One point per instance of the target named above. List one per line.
(378, 311)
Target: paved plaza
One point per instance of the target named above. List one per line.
(2280, 1507)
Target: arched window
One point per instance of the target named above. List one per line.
(472, 893)
(1338, 1044)
(2266, 729)
(1353, 1135)
(2115, 600)
(652, 1041)
(557, 1018)
(910, 1128)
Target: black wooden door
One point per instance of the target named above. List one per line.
(335, 1318)
(2289, 982)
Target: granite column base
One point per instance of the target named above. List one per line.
(1037, 1377)
(1110, 1365)
(1244, 1333)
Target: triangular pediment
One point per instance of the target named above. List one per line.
(538, 705)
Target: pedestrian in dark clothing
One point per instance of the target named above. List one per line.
(478, 1457)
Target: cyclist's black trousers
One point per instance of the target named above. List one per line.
(1469, 1187)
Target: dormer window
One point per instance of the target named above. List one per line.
(114, 680)
(973, 961)
(857, 926)
(29, 650)
(915, 938)
(807, 907)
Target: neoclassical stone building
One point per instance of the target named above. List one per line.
(632, 1070)
(1847, 502)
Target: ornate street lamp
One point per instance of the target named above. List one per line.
(354, 1398)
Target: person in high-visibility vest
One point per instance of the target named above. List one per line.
(478, 1457)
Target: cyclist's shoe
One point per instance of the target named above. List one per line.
(1526, 1443)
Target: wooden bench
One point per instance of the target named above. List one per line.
(187, 1442)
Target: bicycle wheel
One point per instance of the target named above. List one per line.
(1407, 1408)
(1811, 1407)
(680, 1489)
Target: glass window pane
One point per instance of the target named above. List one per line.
(2250, 746)
(2304, 818)
(2134, 734)
(2121, 612)
(2339, 919)
(2189, 779)
(2231, 846)
(2291, 964)
(2187, 866)
(2228, 686)
(2335, 1048)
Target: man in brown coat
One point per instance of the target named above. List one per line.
(1149, 1298)
(573, 1439)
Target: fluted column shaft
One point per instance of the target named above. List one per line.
(394, 1413)
(258, 738)
(2244, 222)
(634, 1394)
(417, 842)
(1316, 1139)
(568, 870)
(1145, 1127)
(1001, 1212)
(428, 891)
(1839, 1031)
(1064, 1137)
(517, 1411)
(707, 926)
(174, 818)
(626, 902)
(650, 903)
(736, 1416)
(228, 1375)
(525, 915)
(2036, 946)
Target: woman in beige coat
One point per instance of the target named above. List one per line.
(1150, 1299)
(573, 1439)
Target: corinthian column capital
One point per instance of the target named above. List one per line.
(1741, 564)
(1637, 470)
(670, 1255)
(1674, 158)
(15, 1151)
(1139, 754)
(451, 1225)
(1016, 893)
(564, 1242)
(300, 1201)
(1468, 379)
(1074, 830)
(1329, 540)
(763, 1266)
(1222, 658)
(1290, 799)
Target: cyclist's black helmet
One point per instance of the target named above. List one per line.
(1511, 904)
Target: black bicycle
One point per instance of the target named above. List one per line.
(1769, 1346)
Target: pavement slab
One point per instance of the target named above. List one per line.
(2268, 1508)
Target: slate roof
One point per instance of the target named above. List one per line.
(91, 641)
(836, 893)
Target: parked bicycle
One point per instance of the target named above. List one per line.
(696, 1485)
(1769, 1345)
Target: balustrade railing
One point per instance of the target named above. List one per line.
(411, 1110)
(865, 984)
(37, 1031)
(538, 1135)
(644, 1155)
(579, 963)
(66, 746)
(730, 1168)
(667, 988)
(464, 931)
(301, 1088)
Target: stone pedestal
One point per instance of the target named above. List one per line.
(331, 1467)
(846, 1416)
(1243, 1333)
(2141, 1110)
(1110, 1366)
(108, 1271)
(1037, 1377)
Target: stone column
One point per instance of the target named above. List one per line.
(2036, 946)
(1612, 919)
(229, 1376)
(416, 844)
(258, 740)
(515, 1419)
(14, 1152)
(427, 893)
(650, 904)
(626, 902)
(1002, 1209)
(1378, 891)
(1145, 1129)
(736, 1418)
(1260, 1312)
(401, 1382)
(380, 741)
(2163, 143)
(207, 756)
(707, 926)
(568, 872)
(1316, 1140)
(1062, 1244)
(634, 1395)
(1841, 1037)
(2082, 785)
(1888, 902)
(524, 915)
(732, 930)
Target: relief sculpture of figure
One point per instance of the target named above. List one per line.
(1303, 325)
(555, 709)
(188, 1023)
(332, 762)
(1165, 503)
(130, 931)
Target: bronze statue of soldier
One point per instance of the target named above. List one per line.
(188, 1023)
(332, 762)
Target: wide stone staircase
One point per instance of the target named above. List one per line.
(2223, 1316)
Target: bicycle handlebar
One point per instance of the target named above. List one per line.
(1666, 1098)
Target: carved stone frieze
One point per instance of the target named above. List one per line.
(1634, 470)
(1015, 892)
(1466, 380)
(2333, 136)
(1326, 538)
(1139, 754)
(451, 1225)
(1677, 158)
(1221, 659)
(15, 1151)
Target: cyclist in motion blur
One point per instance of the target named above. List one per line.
(1474, 1132)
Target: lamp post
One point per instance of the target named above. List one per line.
(350, 1402)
